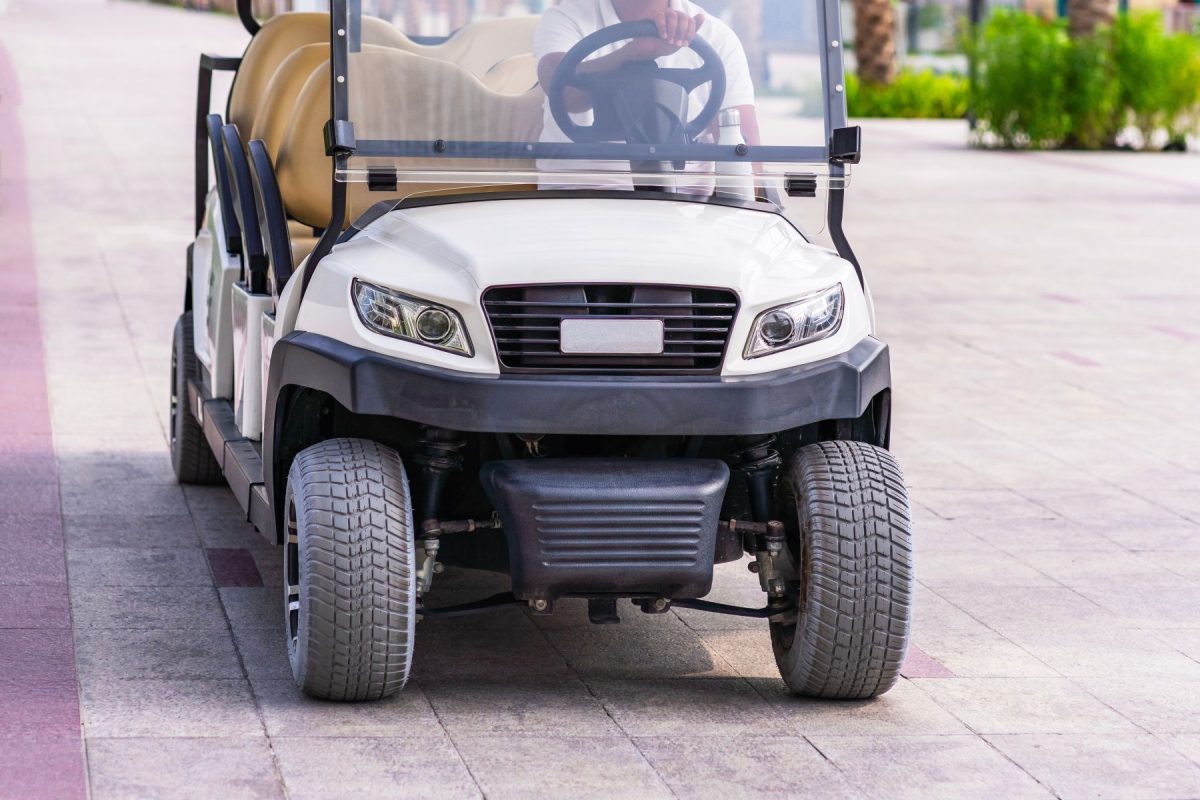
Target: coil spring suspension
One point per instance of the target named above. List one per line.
(758, 460)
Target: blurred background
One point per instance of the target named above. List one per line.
(1078, 74)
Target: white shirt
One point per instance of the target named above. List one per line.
(564, 25)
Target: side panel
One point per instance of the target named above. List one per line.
(247, 311)
(211, 291)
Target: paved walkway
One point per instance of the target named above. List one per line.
(1044, 312)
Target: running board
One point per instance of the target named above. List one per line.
(240, 458)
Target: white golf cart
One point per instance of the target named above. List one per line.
(441, 315)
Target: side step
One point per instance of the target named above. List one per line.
(240, 458)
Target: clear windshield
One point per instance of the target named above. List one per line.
(571, 95)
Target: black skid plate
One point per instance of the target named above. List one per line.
(609, 527)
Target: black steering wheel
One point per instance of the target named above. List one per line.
(610, 123)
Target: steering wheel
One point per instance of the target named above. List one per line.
(605, 87)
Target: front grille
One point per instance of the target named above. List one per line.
(526, 321)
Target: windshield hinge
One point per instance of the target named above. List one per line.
(339, 138)
(845, 146)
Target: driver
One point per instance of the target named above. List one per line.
(678, 22)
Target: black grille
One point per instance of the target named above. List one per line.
(526, 320)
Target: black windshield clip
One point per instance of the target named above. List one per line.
(339, 138)
(382, 179)
(845, 145)
(803, 184)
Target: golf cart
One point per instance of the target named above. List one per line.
(441, 315)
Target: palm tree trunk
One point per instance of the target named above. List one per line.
(1084, 16)
(875, 41)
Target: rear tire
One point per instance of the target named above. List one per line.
(350, 574)
(846, 513)
(191, 456)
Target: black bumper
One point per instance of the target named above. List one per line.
(369, 383)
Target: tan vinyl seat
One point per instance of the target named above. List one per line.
(278, 39)
(513, 75)
(480, 46)
(401, 96)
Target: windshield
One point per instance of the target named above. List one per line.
(691, 96)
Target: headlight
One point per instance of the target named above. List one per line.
(409, 318)
(812, 317)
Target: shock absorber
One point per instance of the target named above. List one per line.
(438, 453)
(758, 459)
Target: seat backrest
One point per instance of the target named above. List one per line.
(479, 46)
(398, 95)
(513, 75)
(278, 38)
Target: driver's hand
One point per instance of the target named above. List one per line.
(675, 29)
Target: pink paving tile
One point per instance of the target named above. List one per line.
(33, 656)
(919, 664)
(24, 497)
(233, 566)
(42, 767)
(1061, 298)
(34, 607)
(40, 565)
(41, 710)
(1075, 358)
(18, 531)
(29, 468)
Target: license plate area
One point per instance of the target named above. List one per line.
(590, 336)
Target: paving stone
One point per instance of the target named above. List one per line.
(119, 497)
(146, 607)
(466, 648)
(700, 706)
(977, 570)
(578, 767)
(1127, 766)
(131, 769)
(263, 652)
(1024, 705)
(253, 607)
(150, 654)
(1188, 744)
(168, 708)
(32, 656)
(903, 711)
(518, 705)
(36, 767)
(1102, 652)
(129, 567)
(287, 711)
(133, 531)
(89, 468)
(925, 767)
(40, 564)
(34, 607)
(716, 768)
(37, 709)
(1158, 704)
(1097, 570)
(330, 768)
(610, 651)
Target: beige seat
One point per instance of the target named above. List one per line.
(513, 75)
(278, 39)
(397, 95)
(480, 46)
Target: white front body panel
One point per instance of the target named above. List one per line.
(451, 253)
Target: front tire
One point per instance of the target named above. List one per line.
(845, 510)
(350, 575)
(191, 456)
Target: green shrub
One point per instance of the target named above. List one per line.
(1036, 87)
(1020, 87)
(1158, 75)
(913, 95)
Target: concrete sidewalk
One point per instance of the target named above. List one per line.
(1044, 314)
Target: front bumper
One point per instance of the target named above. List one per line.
(369, 383)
